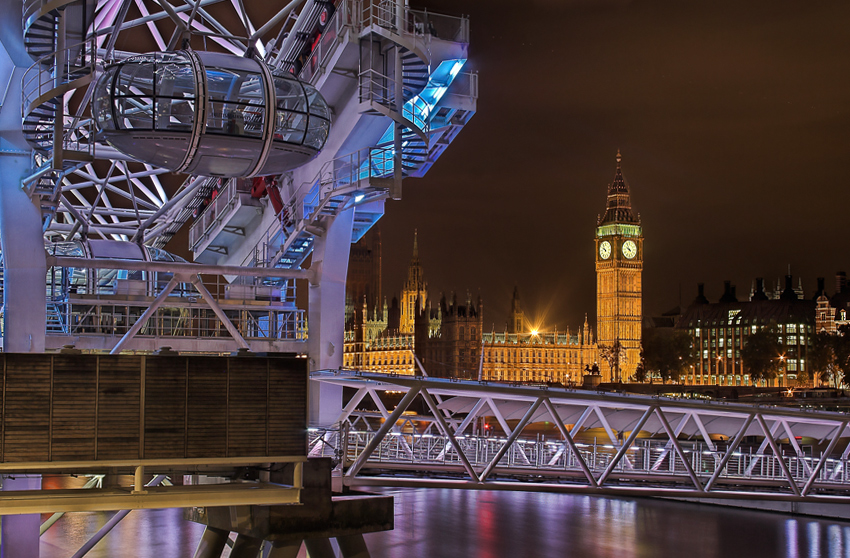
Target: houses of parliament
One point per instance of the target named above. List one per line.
(416, 334)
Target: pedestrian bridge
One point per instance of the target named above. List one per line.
(605, 443)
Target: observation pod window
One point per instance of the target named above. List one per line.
(148, 92)
(236, 102)
(303, 116)
(210, 114)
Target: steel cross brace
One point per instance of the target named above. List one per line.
(511, 439)
(380, 404)
(763, 446)
(611, 436)
(621, 453)
(441, 424)
(729, 451)
(824, 457)
(793, 441)
(382, 431)
(778, 454)
(669, 444)
(570, 442)
(678, 447)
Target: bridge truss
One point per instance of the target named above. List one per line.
(607, 443)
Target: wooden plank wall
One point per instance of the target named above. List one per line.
(64, 407)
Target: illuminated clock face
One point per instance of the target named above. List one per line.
(629, 249)
(605, 250)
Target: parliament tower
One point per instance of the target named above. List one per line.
(415, 289)
(619, 265)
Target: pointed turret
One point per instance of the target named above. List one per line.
(414, 295)
(619, 206)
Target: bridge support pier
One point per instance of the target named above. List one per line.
(246, 547)
(321, 516)
(212, 543)
(20, 533)
(284, 550)
(319, 548)
(353, 546)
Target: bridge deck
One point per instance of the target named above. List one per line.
(606, 442)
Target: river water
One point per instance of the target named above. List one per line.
(436, 523)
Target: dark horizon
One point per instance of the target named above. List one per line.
(730, 119)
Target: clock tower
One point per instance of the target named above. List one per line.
(619, 266)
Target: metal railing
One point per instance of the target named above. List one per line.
(378, 88)
(340, 176)
(77, 68)
(647, 459)
(331, 39)
(176, 319)
(217, 211)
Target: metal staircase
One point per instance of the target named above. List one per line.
(63, 143)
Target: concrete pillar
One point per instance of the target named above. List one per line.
(212, 543)
(246, 547)
(19, 534)
(327, 314)
(353, 546)
(319, 548)
(284, 550)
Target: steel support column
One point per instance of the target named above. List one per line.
(326, 294)
(19, 534)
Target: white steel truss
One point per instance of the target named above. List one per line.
(673, 447)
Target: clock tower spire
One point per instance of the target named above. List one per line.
(619, 268)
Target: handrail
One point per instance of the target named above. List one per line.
(333, 176)
(376, 87)
(39, 86)
(331, 39)
(30, 92)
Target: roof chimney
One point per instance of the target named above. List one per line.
(728, 292)
(821, 288)
(788, 293)
(759, 293)
(840, 282)
(700, 299)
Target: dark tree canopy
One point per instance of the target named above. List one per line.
(667, 352)
(841, 349)
(762, 355)
(821, 357)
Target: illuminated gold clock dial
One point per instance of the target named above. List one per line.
(605, 250)
(629, 249)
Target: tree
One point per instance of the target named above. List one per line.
(615, 356)
(841, 348)
(668, 352)
(641, 374)
(821, 357)
(762, 355)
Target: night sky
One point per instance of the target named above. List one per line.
(732, 118)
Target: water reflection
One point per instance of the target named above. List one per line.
(435, 523)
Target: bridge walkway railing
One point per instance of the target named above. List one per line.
(602, 440)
